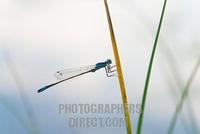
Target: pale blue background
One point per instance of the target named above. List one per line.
(43, 36)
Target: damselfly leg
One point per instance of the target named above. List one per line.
(110, 68)
(109, 71)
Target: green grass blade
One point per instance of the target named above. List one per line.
(183, 97)
(168, 54)
(139, 128)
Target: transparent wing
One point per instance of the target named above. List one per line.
(67, 73)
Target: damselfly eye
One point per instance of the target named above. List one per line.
(109, 61)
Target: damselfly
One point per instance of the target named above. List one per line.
(64, 75)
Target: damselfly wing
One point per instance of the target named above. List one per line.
(67, 73)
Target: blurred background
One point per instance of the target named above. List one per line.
(40, 37)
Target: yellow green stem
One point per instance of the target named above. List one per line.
(119, 71)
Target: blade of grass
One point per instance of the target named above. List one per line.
(183, 97)
(175, 71)
(119, 71)
(168, 54)
(139, 128)
(190, 110)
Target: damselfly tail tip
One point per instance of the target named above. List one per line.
(46, 87)
(42, 89)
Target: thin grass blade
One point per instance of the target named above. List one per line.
(139, 128)
(183, 97)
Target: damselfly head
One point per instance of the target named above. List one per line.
(109, 61)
